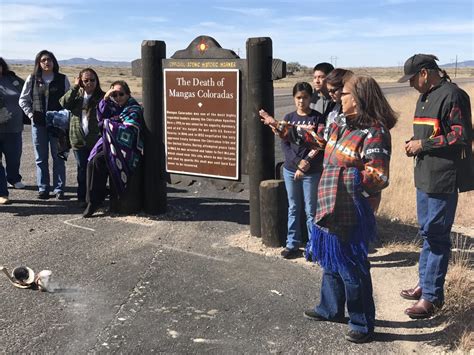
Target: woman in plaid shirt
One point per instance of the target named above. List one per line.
(356, 169)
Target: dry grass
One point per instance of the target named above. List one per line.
(399, 246)
(459, 294)
(382, 75)
(466, 343)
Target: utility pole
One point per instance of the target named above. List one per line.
(456, 66)
(334, 58)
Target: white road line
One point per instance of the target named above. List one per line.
(68, 222)
(207, 341)
(195, 254)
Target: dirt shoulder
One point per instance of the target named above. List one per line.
(392, 270)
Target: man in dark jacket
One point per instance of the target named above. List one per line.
(441, 147)
(320, 100)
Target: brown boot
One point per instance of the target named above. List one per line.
(411, 293)
(421, 309)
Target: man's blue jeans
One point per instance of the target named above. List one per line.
(11, 148)
(302, 197)
(81, 156)
(435, 216)
(351, 285)
(42, 142)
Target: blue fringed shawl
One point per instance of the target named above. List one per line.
(333, 252)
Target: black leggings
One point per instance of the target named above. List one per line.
(97, 175)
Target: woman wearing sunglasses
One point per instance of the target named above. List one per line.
(356, 168)
(118, 152)
(40, 94)
(334, 85)
(82, 100)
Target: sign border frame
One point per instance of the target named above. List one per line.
(237, 147)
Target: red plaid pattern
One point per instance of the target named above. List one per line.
(348, 152)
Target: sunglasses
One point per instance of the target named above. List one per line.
(333, 91)
(345, 93)
(85, 81)
(117, 93)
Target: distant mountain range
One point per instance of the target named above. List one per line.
(104, 63)
(466, 63)
(75, 61)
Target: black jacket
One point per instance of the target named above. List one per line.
(443, 123)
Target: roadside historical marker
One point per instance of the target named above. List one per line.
(201, 115)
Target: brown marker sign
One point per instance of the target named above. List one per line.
(202, 122)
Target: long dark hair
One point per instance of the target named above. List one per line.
(4, 65)
(303, 86)
(372, 106)
(338, 76)
(98, 90)
(37, 71)
(123, 84)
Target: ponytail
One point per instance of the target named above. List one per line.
(445, 75)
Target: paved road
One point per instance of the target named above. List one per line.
(168, 284)
(140, 284)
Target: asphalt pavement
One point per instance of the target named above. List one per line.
(141, 284)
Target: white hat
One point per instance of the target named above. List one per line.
(23, 275)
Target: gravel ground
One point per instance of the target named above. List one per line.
(173, 283)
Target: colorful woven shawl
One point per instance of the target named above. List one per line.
(355, 161)
(122, 144)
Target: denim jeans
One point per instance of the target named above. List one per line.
(11, 148)
(435, 216)
(81, 162)
(351, 286)
(302, 197)
(42, 142)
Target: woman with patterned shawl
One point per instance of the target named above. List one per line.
(118, 152)
(355, 170)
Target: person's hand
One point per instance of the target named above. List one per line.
(267, 119)
(108, 93)
(304, 165)
(298, 175)
(374, 202)
(77, 81)
(307, 127)
(413, 147)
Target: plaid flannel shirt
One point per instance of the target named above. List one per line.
(355, 161)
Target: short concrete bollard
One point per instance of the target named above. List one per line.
(273, 212)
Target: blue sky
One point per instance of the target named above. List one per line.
(357, 33)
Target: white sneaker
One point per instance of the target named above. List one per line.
(17, 185)
(4, 200)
